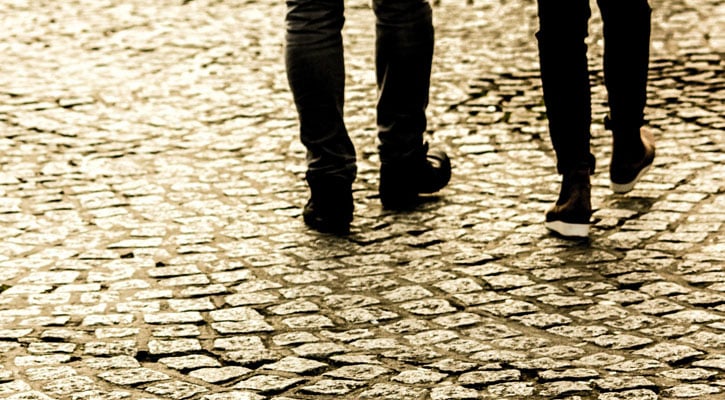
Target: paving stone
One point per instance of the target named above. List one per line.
(364, 372)
(669, 352)
(391, 391)
(690, 391)
(453, 392)
(219, 375)
(480, 379)
(268, 383)
(332, 387)
(133, 376)
(176, 389)
(192, 361)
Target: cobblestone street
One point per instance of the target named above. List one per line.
(152, 245)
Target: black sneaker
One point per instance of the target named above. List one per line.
(330, 206)
(403, 180)
(569, 217)
(624, 172)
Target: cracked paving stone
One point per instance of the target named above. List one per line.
(217, 375)
(361, 372)
(332, 387)
(428, 307)
(176, 390)
(393, 392)
(268, 383)
(134, 376)
(695, 390)
(480, 379)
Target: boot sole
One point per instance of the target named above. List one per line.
(568, 229)
(622, 188)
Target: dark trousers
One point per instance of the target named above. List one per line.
(563, 27)
(316, 75)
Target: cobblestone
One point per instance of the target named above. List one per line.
(151, 244)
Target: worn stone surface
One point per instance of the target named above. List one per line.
(151, 243)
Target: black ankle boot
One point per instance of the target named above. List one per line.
(330, 206)
(403, 179)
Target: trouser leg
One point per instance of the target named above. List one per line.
(316, 76)
(626, 59)
(404, 53)
(563, 28)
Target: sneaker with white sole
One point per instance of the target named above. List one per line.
(570, 215)
(623, 172)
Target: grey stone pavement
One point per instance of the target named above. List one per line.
(152, 246)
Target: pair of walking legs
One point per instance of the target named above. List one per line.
(316, 74)
(563, 28)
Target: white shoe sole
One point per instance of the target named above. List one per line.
(569, 229)
(622, 188)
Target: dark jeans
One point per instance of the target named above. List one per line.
(316, 75)
(563, 27)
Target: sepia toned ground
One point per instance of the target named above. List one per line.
(151, 244)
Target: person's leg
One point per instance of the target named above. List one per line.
(404, 54)
(626, 59)
(316, 75)
(563, 28)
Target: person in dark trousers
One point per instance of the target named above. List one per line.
(316, 76)
(563, 27)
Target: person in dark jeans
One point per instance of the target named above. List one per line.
(316, 76)
(563, 27)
